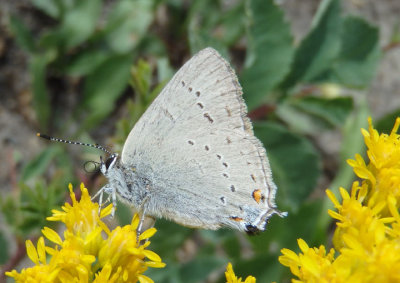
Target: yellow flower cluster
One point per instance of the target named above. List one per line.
(367, 238)
(231, 277)
(90, 252)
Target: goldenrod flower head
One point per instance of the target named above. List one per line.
(383, 150)
(124, 254)
(354, 218)
(41, 272)
(84, 255)
(379, 262)
(367, 236)
(382, 174)
(231, 277)
(81, 217)
(313, 264)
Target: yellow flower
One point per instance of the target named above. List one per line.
(81, 217)
(105, 275)
(382, 174)
(85, 255)
(41, 272)
(313, 264)
(355, 218)
(38, 273)
(231, 277)
(380, 262)
(367, 236)
(124, 254)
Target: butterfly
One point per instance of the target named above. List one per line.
(192, 157)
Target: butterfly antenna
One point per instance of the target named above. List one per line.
(73, 142)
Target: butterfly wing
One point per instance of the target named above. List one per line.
(197, 148)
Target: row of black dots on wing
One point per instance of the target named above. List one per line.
(211, 120)
(197, 94)
(207, 148)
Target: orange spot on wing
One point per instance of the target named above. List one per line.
(236, 218)
(257, 195)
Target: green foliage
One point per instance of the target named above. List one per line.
(355, 63)
(334, 111)
(141, 78)
(80, 45)
(38, 165)
(103, 86)
(208, 26)
(26, 212)
(270, 51)
(302, 86)
(296, 176)
(4, 248)
(385, 124)
(318, 49)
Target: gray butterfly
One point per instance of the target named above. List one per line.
(193, 157)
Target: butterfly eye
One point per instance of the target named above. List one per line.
(109, 161)
(91, 166)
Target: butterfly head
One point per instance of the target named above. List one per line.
(108, 165)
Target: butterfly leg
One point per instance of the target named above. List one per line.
(142, 214)
(139, 228)
(109, 191)
(113, 193)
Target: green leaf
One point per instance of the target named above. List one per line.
(50, 7)
(232, 246)
(128, 23)
(10, 210)
(170, 274)
(41, 101)
(220, 27)
(264, 267)
(297, 120)
(78, 23)
(141, 82)
(26, 211)
(124, 214)
(199, 39)
(269, 53)
(176, 235)
(22, 34)
(359, 55)
(294, 162)
(199, 269)
(164, 70)
(353, 142)
(201, 29)
(198, 20)
(39, 164)
(334, 111)
(141, 79)
(233, 24)
(319, 48)
(386, 123)
(103, 86)
(36, 204)
(85, 62)
(4, 245)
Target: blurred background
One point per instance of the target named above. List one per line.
(312, 72)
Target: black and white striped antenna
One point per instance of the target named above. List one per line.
(73, 142)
